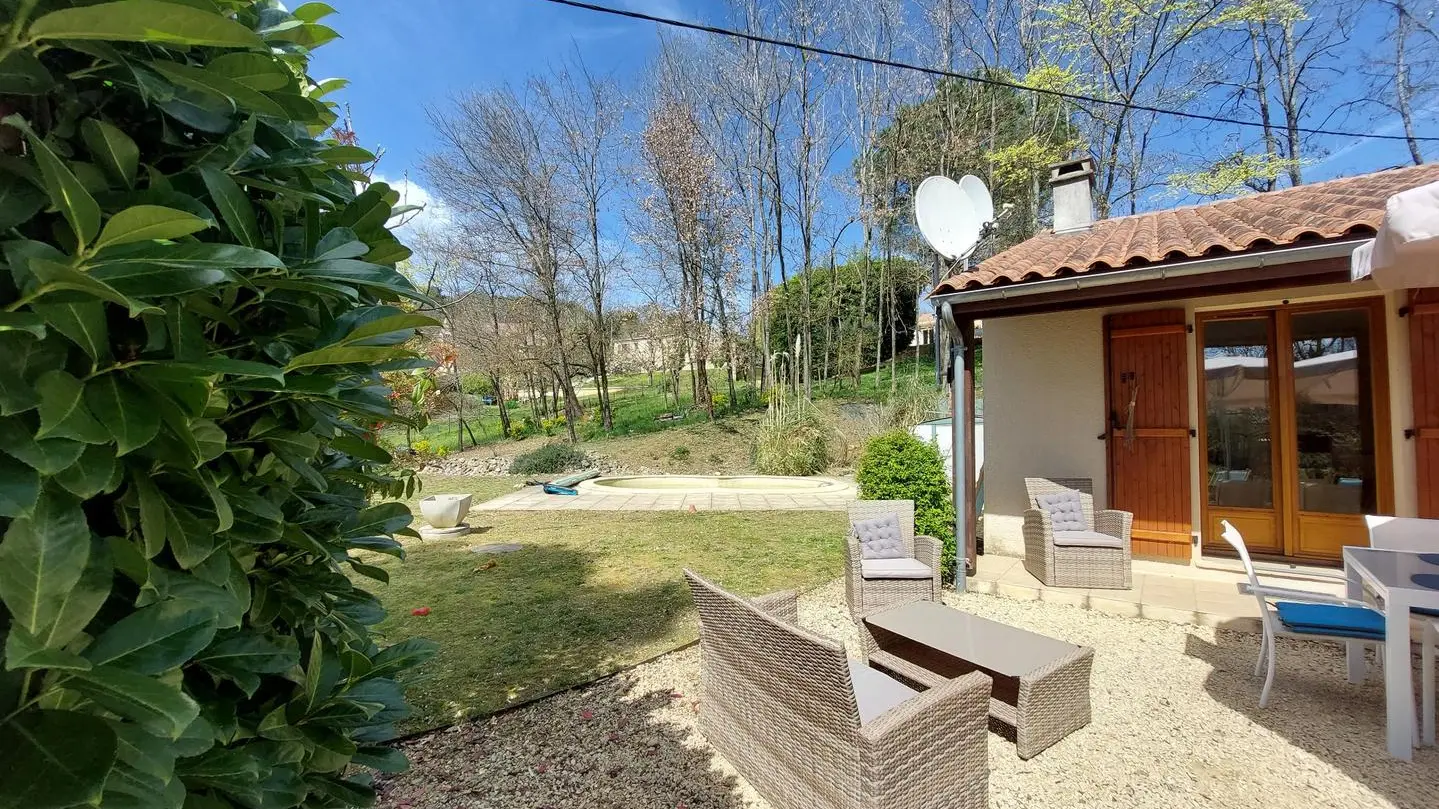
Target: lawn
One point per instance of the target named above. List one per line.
(590, 593)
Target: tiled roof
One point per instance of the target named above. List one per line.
(1333, 209)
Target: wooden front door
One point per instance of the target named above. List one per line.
(1424, 360)
(1148, 432)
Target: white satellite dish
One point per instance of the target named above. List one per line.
(946, 217)
(979, 197)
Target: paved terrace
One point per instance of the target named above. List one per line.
(1162, 591)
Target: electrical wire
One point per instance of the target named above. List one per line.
(933, 71)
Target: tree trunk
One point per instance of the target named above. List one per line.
(500, 400)
(1403, 93)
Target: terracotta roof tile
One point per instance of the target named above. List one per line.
(1333, 209)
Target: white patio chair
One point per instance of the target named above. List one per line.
(1301, 614)
(1414, 534)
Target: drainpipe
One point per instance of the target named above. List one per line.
(961, 426)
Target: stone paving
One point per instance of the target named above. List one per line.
(533, 498)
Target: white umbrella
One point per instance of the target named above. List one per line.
(1404, 254)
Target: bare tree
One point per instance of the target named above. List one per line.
(494, 171)
(587, 112)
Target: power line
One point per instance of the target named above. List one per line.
(933, 71)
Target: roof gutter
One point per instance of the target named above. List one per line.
(1240, 261)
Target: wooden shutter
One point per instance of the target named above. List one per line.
(1424, 362)
(1148, 360)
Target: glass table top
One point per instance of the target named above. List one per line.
(1398, 569)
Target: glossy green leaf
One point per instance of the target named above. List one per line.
(313, 12)
(22, 74)
(340, 243)
(217, 256)
(41, 558)
(146, 223)
(92, 473)
(156, 638)
(207, 81)
(19, 200)
(28, 322)
(59, 278)
(384, 759)
(53, 759)
(343, 355)
(25, 651)
(234, 206)
(148, 281)
(154, 21)
(66, 192)
(254, 70)
(83, 322)
(156, 704)
(220, 366)
(124, 411)
(83, 601)
(112, 149)
(63, 413)
(19, 487)
(406, 324)
(48, 456)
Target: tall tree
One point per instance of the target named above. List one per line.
(494, 171)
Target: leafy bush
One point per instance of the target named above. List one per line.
(549, 459)
(521, 429)
(550, 425)
(680, 453)
(898, 466)
(194, 305)
(477, 385)
(793, 439)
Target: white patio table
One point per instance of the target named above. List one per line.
(1391, 575)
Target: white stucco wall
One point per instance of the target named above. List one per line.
(1044, 403)
(1043, 411)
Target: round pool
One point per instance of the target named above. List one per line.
(684, 484)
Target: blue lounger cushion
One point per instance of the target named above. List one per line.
(1331, 619)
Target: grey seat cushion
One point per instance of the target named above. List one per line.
(894, 569)
(875, 692)
(1086, 539)
(1066, 512)
(879, 537)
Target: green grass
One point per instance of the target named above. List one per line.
(590, 593)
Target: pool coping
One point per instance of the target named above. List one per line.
(831, 486)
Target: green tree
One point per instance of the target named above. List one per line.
(195, 306)
(1006, 137)
(840, 323)
(898, 466)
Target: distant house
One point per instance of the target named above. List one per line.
(1209, 363)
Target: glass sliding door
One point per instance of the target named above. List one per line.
(1334, 463)
(1295, 427)
(1238, 428)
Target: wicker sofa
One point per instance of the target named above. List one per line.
(1096, 556)
(810, 729)
(868, 591)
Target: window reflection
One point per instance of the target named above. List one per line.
(1334, 412)
(1237, 409)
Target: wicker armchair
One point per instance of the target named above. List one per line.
(810, 729)
(866, 594)
(1098, 557)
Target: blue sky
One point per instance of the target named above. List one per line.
(402, 57)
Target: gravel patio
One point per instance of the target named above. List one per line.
(1175, 725)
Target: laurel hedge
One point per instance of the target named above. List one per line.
(196, 304)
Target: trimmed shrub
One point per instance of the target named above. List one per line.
(898, 466)
(793, 439)
(548, 460)
(195, 304)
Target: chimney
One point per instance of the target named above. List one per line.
(1072, 182)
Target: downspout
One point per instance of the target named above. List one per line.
(961, 426)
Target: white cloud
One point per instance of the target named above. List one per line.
(434, 219)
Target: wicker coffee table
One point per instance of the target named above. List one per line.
(1041, 685)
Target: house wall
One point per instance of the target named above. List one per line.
(1044, 402)
(1043, 408)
